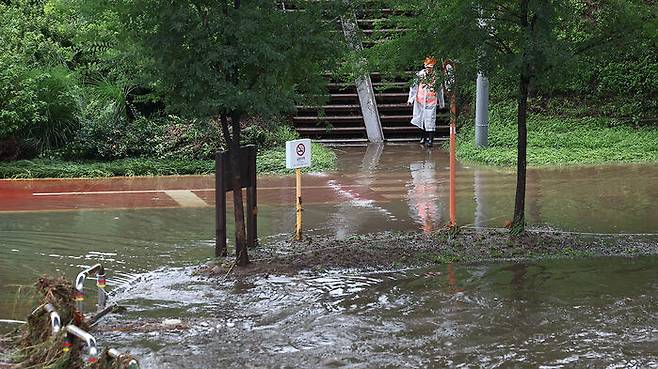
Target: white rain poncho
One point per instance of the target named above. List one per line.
(425, 101)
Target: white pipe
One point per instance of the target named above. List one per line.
(115, 354)
(55, 320)
(12, 321)
(80, 283)
(90, 341)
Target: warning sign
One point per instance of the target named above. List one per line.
(298, 154)
(301, 149)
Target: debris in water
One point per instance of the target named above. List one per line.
(41, 344)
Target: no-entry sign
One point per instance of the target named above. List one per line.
(298, 154)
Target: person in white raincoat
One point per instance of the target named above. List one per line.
(425, 100)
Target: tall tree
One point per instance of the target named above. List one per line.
(526, 40)
(224, 60)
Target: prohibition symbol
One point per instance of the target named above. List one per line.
(301, 149)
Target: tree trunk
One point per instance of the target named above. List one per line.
(233, 142)
(518, 222)
(238, 207)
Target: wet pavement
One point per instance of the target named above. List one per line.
(137, 225)
(383, 187)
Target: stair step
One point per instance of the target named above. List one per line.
(329, 129)
(391, 84)
(395, 117)
(412, 139)
(384, 30)
(329, 107)
(393, 106)
(409, 128)
(342, 140)
(392, 94)
(357, 118)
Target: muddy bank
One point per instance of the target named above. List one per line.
(403, 250)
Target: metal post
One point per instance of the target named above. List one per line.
(298, 181)
(453, 144)
(101, 283)
(220, 207)
(449, 70)
(252, 208)
(482, 111)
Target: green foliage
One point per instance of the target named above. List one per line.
(602, 55)
(273, 161)
(270, 161)
(42, 168)
(210, 58)
(266, 134)
(18, 103)
(37, 91)
(555, 140)
(56, 122)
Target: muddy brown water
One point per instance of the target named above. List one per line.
(553, 314)
(597, 312)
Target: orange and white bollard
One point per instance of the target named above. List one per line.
(451, 88)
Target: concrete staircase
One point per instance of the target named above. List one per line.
(341, 120)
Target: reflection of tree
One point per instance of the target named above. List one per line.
(478, 194)
(423, 193)
(533, 197)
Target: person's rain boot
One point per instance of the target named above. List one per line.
(423, 139)
(430, 140)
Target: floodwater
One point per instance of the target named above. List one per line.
(599, 312)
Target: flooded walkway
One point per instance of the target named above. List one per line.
(599, 312)
(397, 187)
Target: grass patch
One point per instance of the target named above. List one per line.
(274, 161)
(271, 161)
(556, 140)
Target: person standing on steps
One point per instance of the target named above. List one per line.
(425, 99)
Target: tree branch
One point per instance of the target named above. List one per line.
(506, 48)
(225, 132)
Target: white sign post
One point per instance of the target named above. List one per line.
(298, 155)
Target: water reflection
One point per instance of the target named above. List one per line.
(423, 194)
(479, 191)
(355, 209)
(621, 196)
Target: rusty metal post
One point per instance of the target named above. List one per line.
(252, 207)
(220, 207)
